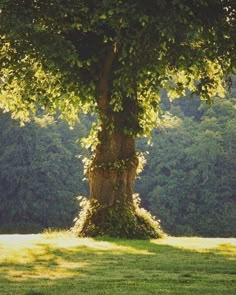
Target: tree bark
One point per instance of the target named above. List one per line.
(113, 171)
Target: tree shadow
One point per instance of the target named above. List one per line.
(110, 266)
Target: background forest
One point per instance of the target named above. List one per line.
(188, 182)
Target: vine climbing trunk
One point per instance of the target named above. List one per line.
(113, 170)
(112, 209)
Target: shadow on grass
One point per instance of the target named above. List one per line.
(109, 266)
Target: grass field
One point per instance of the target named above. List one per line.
(59, 263)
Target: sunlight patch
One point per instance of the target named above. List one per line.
(224, 246)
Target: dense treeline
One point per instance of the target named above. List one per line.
(40, 175)
(189, 180)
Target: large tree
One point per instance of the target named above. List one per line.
(113, 57)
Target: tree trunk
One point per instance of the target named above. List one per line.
(112, 209)
(113, 170)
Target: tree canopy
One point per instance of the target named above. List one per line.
(53, 55)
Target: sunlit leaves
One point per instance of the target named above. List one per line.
(91, 141)
(52, 55)
(205, 81)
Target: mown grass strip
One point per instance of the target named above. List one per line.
(59, 263)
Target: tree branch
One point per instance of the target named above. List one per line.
(104, 79)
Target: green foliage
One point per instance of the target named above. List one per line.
(52, 55)
(118, 165)
(190, 179)
(118, 220)
(39, 175)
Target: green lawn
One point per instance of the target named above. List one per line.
(59, 263)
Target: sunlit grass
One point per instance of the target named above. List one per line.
(60, 263)
(222, 245)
